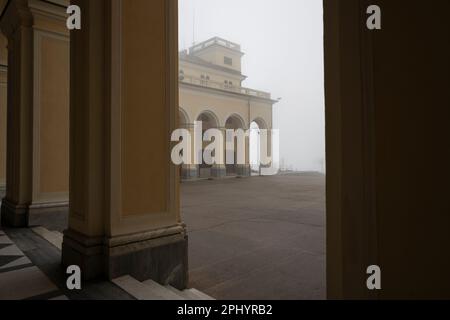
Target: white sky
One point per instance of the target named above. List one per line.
(283, 45)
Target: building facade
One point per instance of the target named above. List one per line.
(211, 91)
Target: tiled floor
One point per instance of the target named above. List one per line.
(30, 268)
(19, 278)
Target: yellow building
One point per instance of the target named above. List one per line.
(211, 91)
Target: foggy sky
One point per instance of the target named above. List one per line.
(283, 45)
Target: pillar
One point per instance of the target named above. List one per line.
(190, 171)
(387, 130)
(244, 170)
(38, 101)
(219, 171)
(124, 194)
(3, 95)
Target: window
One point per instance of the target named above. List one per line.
(228, 61)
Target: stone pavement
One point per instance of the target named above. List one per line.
(249, 238)
(257, 238)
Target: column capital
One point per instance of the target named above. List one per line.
(17, 14)
(32, 13)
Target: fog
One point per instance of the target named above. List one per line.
(283, 45)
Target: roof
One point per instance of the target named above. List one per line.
(216, 41)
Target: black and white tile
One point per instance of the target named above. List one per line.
(19, 278)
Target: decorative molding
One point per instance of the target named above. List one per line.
(131, 223)
(38, 197)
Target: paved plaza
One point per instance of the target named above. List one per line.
(257, 238)
(249, 238)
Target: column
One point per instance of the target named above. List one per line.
(244, 170)
(3, 102)
(220, 170)
(38, 107)
(124, 215)
(190, 171)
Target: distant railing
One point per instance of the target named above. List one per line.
(218, 41)
(225, 87)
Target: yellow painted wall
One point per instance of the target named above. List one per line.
(145, 123)
(216, 54)
(53, 107)
(196, 71)
(197, 100)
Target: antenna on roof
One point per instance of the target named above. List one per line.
(193, 29)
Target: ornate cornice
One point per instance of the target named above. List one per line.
(21, 13)
(17, 15)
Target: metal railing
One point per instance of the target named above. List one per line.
(225, 87)
(216, 40)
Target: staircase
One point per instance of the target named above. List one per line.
(150, 290)
(147, 290)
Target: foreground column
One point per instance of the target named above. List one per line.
(3, 95)
(124, 204)
(38, 106)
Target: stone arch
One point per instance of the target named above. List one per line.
(209, 119)
(262, 124)
(183, 118)
(256, 126)
(235, 121)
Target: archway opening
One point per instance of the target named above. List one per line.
(256, 147)
(183, 119)
(233, 166)
(209, 121)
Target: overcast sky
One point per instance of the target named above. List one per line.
(283, 45)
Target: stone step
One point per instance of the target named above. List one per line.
(200, 295)
(145, 291)
(151, 290)
(190, 294)
(54, 237)
(166, 293)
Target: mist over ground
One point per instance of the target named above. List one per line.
(283, 45)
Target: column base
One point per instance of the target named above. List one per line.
(160, 255)
(243, 170)
(18, 216)
(14, 215)
(219, 171)
(189, 172)
(48, 207)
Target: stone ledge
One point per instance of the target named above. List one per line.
(160, 258)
